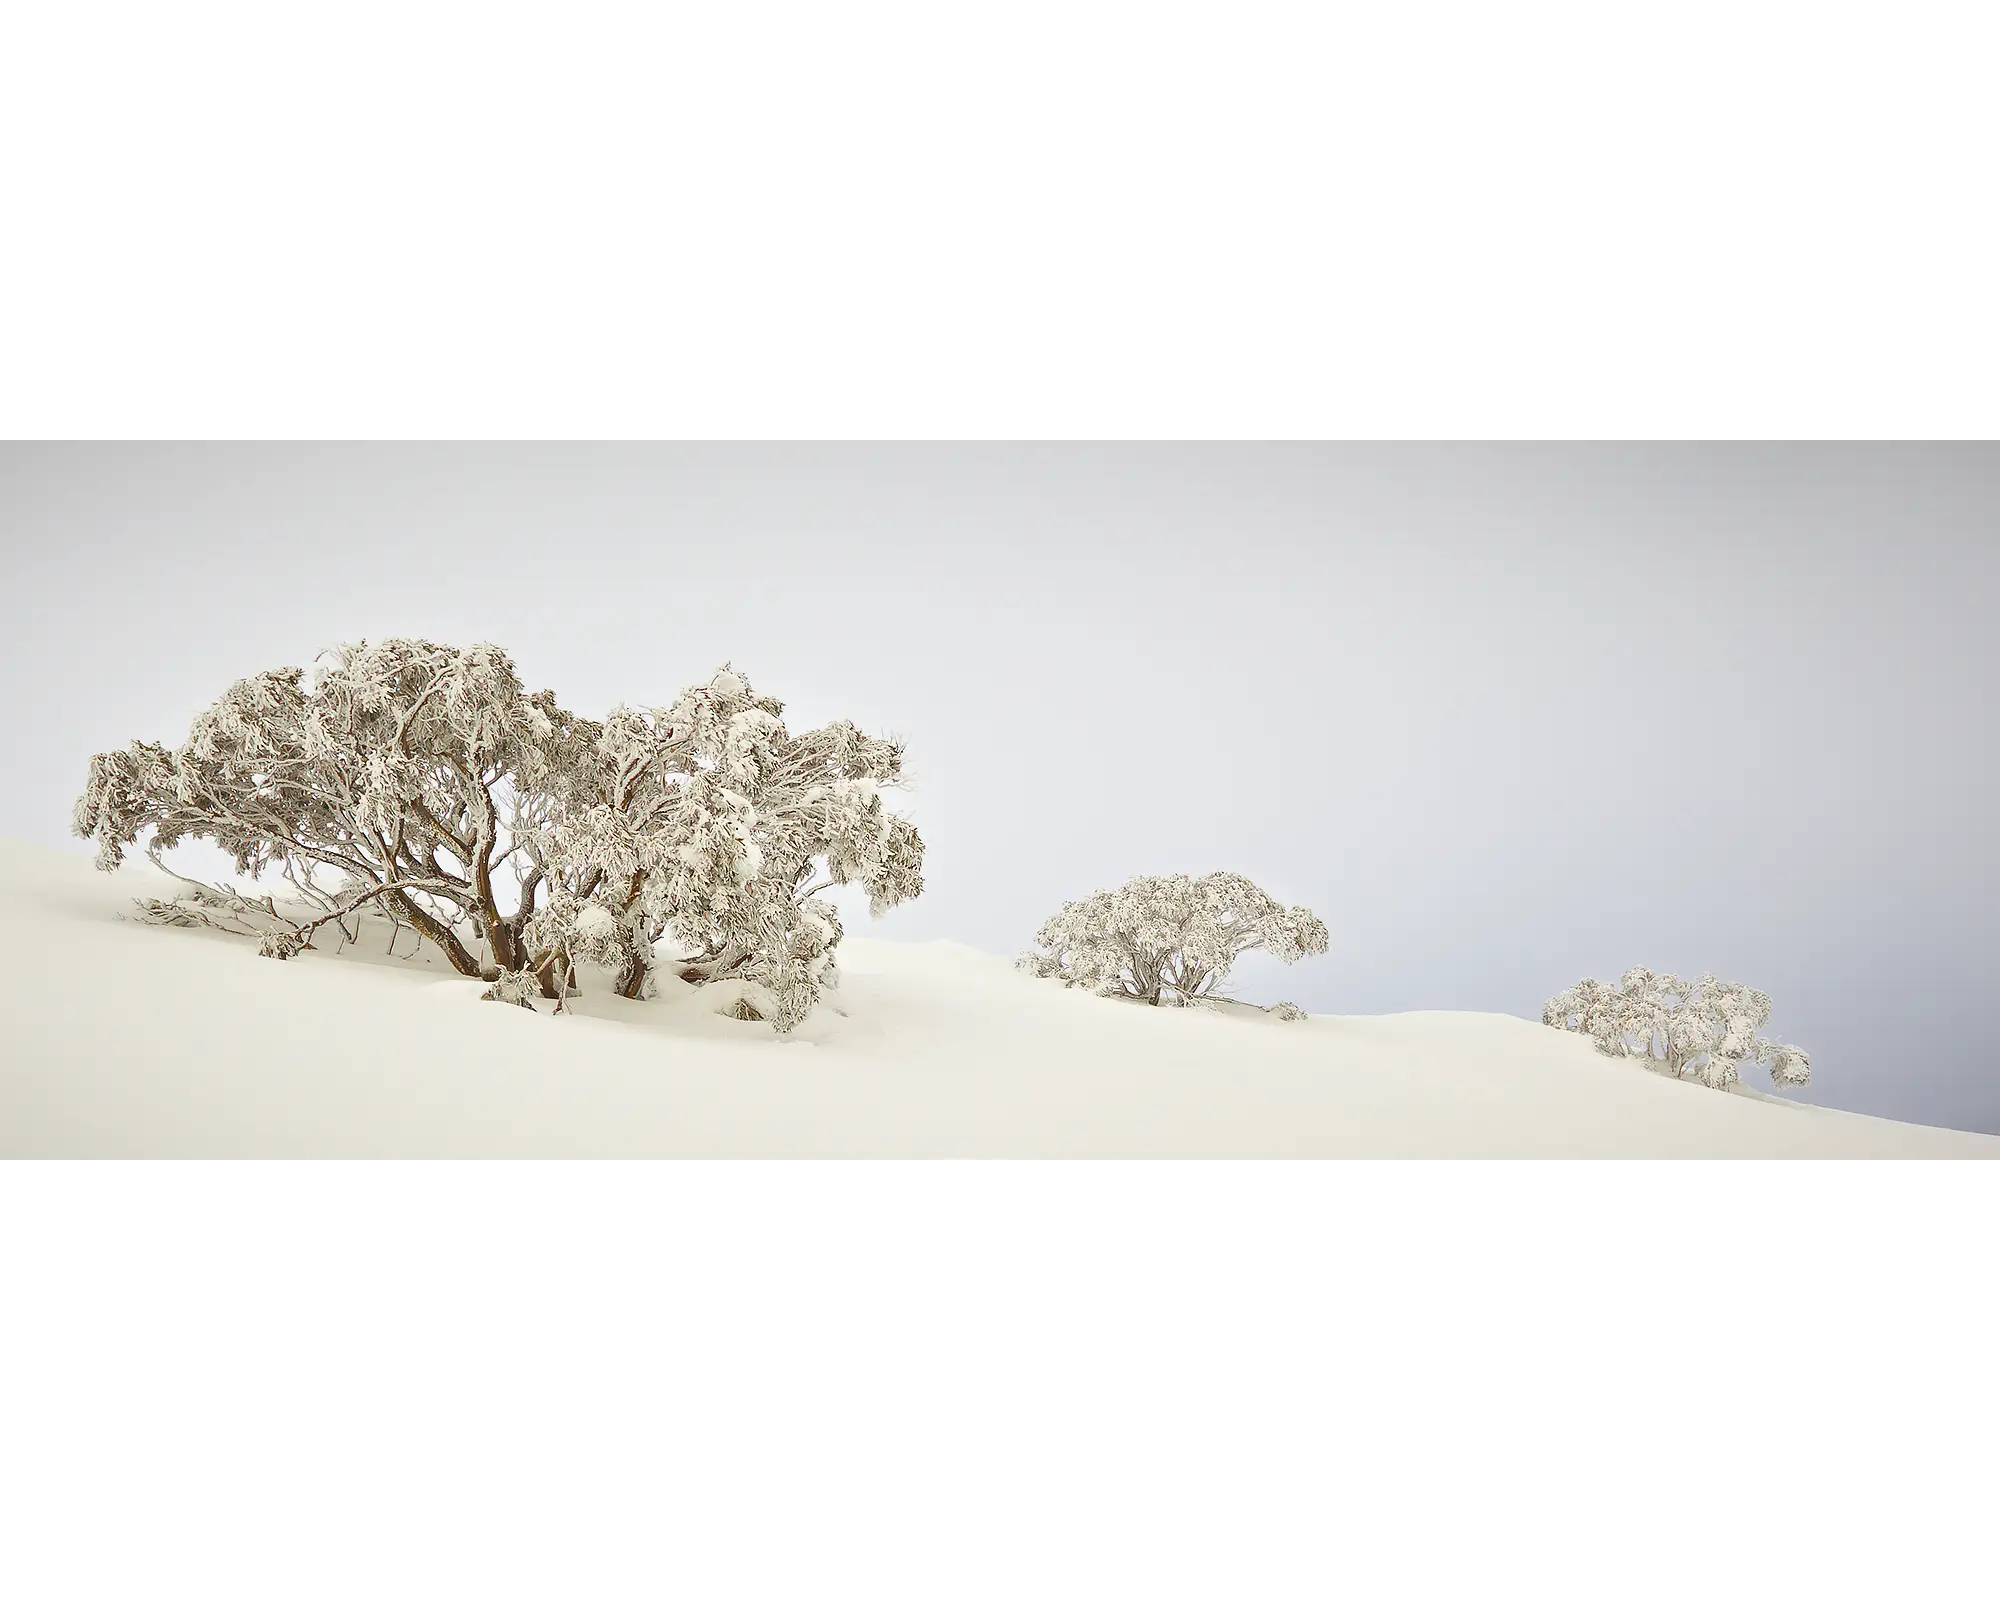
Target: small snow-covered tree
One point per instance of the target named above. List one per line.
(411, 773)
(1175, 935)
(1707, 1027)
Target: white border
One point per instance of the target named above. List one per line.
(1006, 1378)
(1057, 220)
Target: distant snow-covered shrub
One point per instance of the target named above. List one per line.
(411, 773)
(1285, 1011)
(1174, 936)
(1707, 1027)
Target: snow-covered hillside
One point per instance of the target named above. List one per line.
(124, 1039)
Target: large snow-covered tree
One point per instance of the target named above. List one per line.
(1707, 1027)
(405, 775)
(1174, 935)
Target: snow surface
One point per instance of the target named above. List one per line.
(126, 1039)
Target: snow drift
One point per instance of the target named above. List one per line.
(127, 1039)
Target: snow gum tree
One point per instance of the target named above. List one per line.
(405, 775)
(707, 822)
(1707, 1028)
(1174, 935)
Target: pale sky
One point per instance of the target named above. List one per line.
(1503, 715)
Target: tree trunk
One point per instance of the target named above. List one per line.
(507, 954)
(460, 958)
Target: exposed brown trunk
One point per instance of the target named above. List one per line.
(633, 978)
(460, 958)
(554, 977)
(506, 948)
(500, 938)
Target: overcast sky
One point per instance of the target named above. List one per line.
(1502, 715)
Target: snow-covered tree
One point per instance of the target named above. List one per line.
(385, 771)
(1707, 1028)
(708, 822)
(407, 774)
(1173, 935)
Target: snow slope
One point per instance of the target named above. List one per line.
(125, 1039)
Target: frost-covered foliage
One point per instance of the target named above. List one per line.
(1285, 1011)
(1707, 1027)
(707, 821)
(409, 774)
(1173, 935)
(511, 988)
